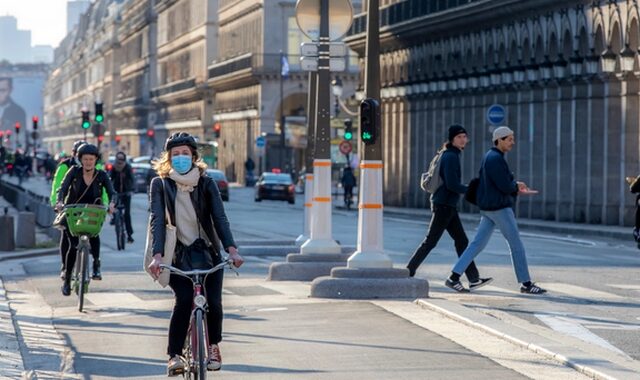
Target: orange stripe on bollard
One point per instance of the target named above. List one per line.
(322, 164)
(310, 177)
(322, 199)
(308, 204)
(370, 205)
(371, 166)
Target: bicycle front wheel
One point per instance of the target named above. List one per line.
(120, 230)
(83, 276)
(201, 372)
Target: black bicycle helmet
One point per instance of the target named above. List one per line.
(88, 149)
(180, 138)
(77, 145)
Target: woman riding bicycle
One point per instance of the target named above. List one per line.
(195, 208)
(84, 184)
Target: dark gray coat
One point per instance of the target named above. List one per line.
(207, 203)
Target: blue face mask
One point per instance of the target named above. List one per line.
(181, 164)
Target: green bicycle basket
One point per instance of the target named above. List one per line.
(85, 219)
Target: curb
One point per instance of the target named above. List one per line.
(555, 356)
(614, 232)
(5, 256)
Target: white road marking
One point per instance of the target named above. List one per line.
(274, 309)
(580, 292)
(573, 327)
(625, 286)
(124, 299)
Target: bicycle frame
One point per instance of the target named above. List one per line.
(120, 224)
(196, 336)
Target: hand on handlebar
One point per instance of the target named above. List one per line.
(154, 267)
(234, 257)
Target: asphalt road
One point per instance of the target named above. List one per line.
(593, 296)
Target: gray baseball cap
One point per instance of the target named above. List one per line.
(501, 132)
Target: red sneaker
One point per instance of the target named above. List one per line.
(215, 359)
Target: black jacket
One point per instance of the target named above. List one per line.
(207, 203)
(449, 193)
(497, 189)
(122, 180)
(72, 187)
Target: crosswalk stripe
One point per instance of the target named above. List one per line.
(579, 291)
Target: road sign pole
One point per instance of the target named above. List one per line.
(309, 152)
(321, 240)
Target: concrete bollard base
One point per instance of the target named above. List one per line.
(300, 267)
(346, 283)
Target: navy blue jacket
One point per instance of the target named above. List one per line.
(497, 189)
(449, 193)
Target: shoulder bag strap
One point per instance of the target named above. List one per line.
(166, 203)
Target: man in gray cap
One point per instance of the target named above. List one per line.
(496, 196)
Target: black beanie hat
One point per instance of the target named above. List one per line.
(455, 130)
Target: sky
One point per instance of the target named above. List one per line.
(47, 19)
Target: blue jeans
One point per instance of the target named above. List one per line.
(505, 219)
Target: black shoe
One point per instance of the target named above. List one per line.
(480, 283)
(66, 288)
(96, 275)
(532, 289)
(456, 285)
(129, 239)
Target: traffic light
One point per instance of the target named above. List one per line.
(100, 138)
(150, 133)
(369, 120)
(348, 131)
(118, 139)
(86, 123)
(35, 123)
(99, 116)
(18, 126)
(216, 130)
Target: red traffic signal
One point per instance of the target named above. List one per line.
(101, 138)
(1, 134)
(216, 130)
(118, 139)
(18, 126)
(35, 122)
(151, 132)
(8, 132)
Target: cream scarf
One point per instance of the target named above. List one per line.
(187, 225)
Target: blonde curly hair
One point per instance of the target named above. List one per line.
(162, 165)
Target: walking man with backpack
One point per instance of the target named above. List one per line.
(444, 206)
(496, 195)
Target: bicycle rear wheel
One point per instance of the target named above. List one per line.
(201, 356)
(83, 275)
(120, 230)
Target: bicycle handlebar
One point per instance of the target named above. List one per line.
(196, 272)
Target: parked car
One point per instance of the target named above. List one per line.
(142, 176)
(277, 186)
(221, 180)
(142, 160)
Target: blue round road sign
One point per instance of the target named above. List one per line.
(260, 142)
(496, 114)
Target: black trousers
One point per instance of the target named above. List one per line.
(443, 218)
(126, 201)
(180, 318)
(72, 252)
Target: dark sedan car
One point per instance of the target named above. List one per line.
(221, 180)
(142, 176)
(278, 186)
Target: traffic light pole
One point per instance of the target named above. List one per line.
(309, 154)
(321, 240)
(370, 250)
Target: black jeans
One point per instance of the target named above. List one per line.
(183, 292)
(443, 218)
(125, 198)
(72, 252)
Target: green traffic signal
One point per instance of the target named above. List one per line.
(99, 118)
(348, 135)
(366, 136)
(86, 124)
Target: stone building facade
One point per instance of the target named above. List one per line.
(246, 82)
(566, 72)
